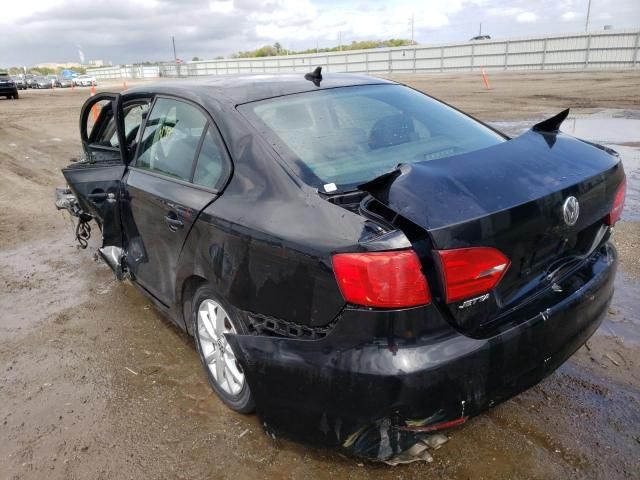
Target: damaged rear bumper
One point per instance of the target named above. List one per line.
(380, 378)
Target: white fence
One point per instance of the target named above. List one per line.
(608, 49)
(125, 71)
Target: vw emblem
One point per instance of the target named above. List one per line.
(571, 210)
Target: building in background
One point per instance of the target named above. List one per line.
(98, 63)
(55, 65)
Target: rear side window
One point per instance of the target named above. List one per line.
(170, 139)
(348, 136)
(210, 161)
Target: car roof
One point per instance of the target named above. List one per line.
(238, 89)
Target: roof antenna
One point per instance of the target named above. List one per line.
(315, 76)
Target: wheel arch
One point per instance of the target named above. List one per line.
(188, 288)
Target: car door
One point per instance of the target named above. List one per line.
(180, 166)
(96, 181)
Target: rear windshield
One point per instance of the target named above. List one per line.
(338, 138)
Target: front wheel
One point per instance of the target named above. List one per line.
(210, 321)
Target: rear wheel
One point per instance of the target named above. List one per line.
(211, 319)
(16, 96)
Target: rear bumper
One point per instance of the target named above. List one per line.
(5, 90)
(380, 377)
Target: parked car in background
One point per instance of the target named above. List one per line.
(63, 82)
(41, 82)
(480, 37)
(358, 261)
(8, 87)
(85, 80)
(20, 83)
(28, 78)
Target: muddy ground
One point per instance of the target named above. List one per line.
(95, 384)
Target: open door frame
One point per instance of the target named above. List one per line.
(96, 152)
(96, 182)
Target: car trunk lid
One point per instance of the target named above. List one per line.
(509, 197)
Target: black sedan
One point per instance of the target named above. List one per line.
(356, 260)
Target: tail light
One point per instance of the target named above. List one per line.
(618, 204)
(381, 279)
(470, 272)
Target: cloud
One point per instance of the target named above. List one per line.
(127, 31)
(569, 16)
(221, 6)
(504, 11)
(526, 17)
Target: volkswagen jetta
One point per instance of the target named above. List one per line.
(356, 260)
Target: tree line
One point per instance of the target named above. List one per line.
(277, 49)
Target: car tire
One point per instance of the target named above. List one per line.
(215, 353)
(16, 96)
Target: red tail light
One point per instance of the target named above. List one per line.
(618, 204)
(381, 279)
(470, 272)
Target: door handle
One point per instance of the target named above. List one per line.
(102, 196)
(98, 197)
(173, 222)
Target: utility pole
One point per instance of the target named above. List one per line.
(340, 40)
(173, 41)
(586, 24)
(480, 32)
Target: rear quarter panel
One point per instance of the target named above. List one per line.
(265, 244)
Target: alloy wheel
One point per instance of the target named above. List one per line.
(213, 322)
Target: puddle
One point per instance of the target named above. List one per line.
(622, 320)
(617, 129)
(49, 274)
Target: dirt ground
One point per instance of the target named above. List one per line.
(94, 384)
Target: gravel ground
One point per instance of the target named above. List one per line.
(95, 384)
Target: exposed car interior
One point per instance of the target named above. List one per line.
(352, 135)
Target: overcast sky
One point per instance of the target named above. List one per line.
(137, 30)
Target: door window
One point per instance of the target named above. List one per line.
(170, 139)
(210, 161)
(133, 115)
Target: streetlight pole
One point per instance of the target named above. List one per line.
(173, 41)
(586, 24)
(412, 22)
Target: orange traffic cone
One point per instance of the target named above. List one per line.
(485, 80)
(94, 109)
(125, 85)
